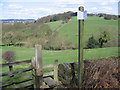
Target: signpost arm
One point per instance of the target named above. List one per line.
(80, 49)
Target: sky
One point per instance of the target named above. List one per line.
(34, 9)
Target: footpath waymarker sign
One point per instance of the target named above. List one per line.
(81, 16)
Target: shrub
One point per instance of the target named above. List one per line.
(92, 43)
(58, 43)
(9, 56)
(104, 38)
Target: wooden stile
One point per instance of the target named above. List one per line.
(37, 73)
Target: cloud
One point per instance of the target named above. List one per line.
(62, 1)
(15, 6)
(107, 8)
(94, 8)
(71, 9)
(71, 1)
(1, 4)
(114, 1)
(101, 0)
(29, 13)
(48, 7)
(104, 3)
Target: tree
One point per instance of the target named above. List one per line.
(9, 56)
(92, 43)
(19, 36)
(104, 37)
(8, 38)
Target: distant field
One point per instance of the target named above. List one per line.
(54, 25)
(93, 26)
(64, 56)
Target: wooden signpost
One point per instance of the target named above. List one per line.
(82, 15)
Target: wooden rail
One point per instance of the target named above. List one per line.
(48, 66)
(15, 72)
(12, 83)
(15, 63)
(22, 70)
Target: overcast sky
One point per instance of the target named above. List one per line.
(38, 8)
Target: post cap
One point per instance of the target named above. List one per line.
(81, 8)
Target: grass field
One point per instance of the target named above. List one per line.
(93, 26)
(54, 25)
(64, 56)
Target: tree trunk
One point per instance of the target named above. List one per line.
(11, 69)
(101, 44)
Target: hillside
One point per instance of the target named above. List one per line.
(28, 34)
(93, 26)
(55, 25)
(66, 36)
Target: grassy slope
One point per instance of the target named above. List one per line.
(54, 25)
(93, 26)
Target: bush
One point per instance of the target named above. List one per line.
(104, 38)
(92, 43)
(58, 43)
(9, 56)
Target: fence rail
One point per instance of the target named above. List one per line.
(22, 70)
(15, 63)
(16, 72)
(48, 66)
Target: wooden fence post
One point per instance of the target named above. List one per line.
(38, 66)
(56, 70)
(11, 69)
(33, 71)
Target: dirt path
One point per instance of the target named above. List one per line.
(53, 32)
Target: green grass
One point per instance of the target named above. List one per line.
(64, 56)
(93, 26)
(54, 25)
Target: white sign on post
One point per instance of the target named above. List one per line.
(82, 15)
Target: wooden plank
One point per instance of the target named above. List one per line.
(48, 74)
(56, 70)
(50, 82)
(33, 64)
(48, 66)
(15, 72)
(17, 83)
(15, 63)
(24, 78)
(22, 84)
